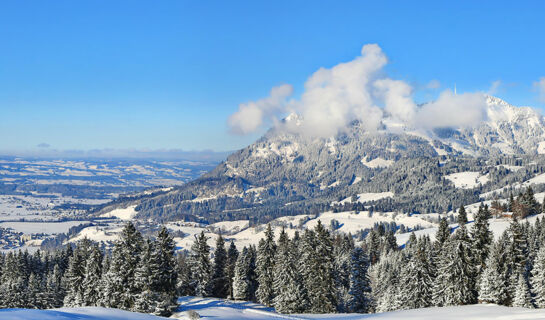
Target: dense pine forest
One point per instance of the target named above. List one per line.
(316, 271)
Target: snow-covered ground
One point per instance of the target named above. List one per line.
(122, 213)
(366, 197)
(467, 180)
(87, 313)
(212, 308)
(471, 312)
(233, 310)
(41, 227)
(377, 163)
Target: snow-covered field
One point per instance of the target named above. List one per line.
(377, 163)
(122, 213)
(87, 313)
(41, 227)
(467, 180)
(365, 197)
(211, 308)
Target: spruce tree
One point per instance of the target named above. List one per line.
(200, 265)
(288, 286)
(342, 251)
(462, 216)
(417, 278)
(55, 292)
(523, 298)
(219, 281)
(74, 277)
(529, 202)
(131, 245)
(482, 237)
(517, 255)
(320, 286)
(241, 280)
(33, 292)
(91, 281)
(110, 284)
(360, 288)
(264, 268)
(443, 232)
(454, 284)
(184, 285)
(232, 256)
(252, 275)
(147, 299)
(164, 274)
(492, 285)
(538, 278)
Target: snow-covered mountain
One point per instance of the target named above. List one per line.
(508, 130)
(286, 173)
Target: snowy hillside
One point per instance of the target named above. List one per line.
(395, 168)
(210, 308)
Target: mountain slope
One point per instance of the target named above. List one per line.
(285, 173)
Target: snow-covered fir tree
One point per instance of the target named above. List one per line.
(454, 284)
(93, 274)
(201, 267)
(492, 285)
(290, 295)
(241, 280)
(219, 282)
(538, 278)
(523, 297)
(462, 216)
(342, 250)
(184, 285)
(417, 278)
(232, 256)
(482, 237)
(516, 255)
(146, 299)
(112, 283)
(264, 268)
(75, 275)
(131, 244)
(442, 234)
(360, 288)
(319, 282)
(164, 274)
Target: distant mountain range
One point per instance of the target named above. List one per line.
(415, 169)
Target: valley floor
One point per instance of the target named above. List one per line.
(210, 308)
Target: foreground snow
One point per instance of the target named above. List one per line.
(210, 308)
(87, 313)
(234, 310)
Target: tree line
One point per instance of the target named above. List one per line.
(138, 275)
(315, 271)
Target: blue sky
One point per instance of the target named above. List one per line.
(167, 74)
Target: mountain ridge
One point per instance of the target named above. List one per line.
(285, 173)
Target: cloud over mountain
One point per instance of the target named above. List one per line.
(357, 90)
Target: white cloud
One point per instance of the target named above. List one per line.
(358, 90)
(451, 110)
(253, 115)
(397, 97)
(540, 86)
(334, 97)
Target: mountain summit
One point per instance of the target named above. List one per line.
(397, 167)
